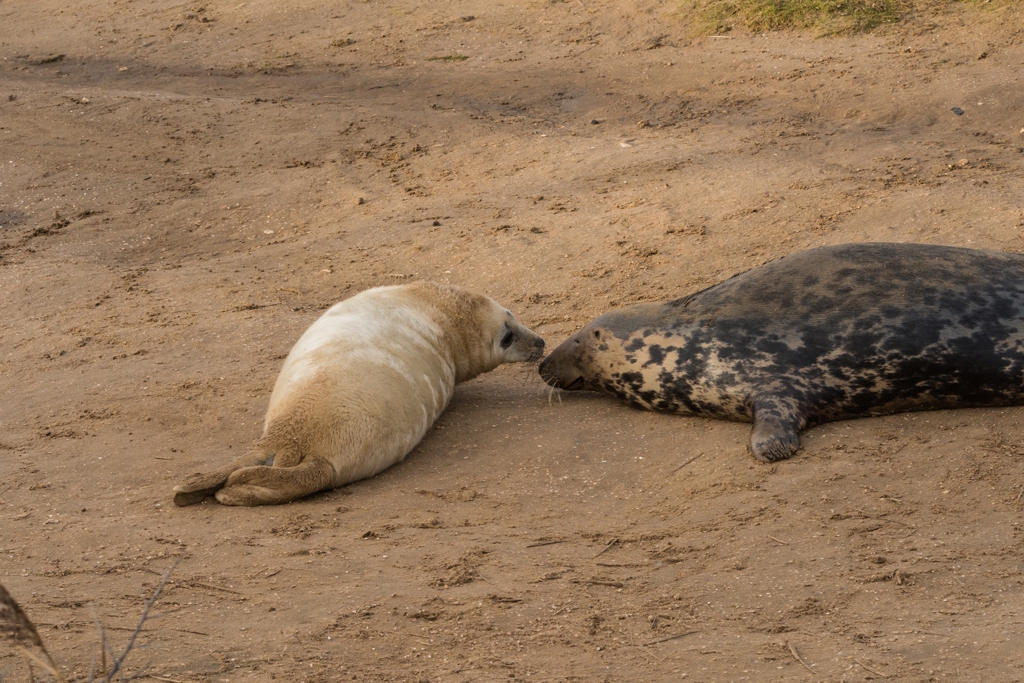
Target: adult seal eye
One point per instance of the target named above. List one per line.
(507, 340)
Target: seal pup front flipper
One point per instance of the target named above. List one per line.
(776, 432)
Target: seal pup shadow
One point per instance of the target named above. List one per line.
(821, 335)
(362, 386)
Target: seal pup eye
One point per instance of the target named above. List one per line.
(507, 340)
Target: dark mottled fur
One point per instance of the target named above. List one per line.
(821, 335)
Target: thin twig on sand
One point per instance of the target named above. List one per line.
(699, 455)
(142, 620)
(874, 671)
(792, 651)
(607, 547)
(665, 640)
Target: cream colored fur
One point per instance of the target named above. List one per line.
(362, 386)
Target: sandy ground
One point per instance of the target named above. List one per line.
(184, 188)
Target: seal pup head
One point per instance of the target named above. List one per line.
(513, 342)
(481, 333)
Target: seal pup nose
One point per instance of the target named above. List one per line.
(538, 351)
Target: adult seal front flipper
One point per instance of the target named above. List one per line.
(776, 432)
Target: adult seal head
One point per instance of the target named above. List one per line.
(362, 386)
(821, 335)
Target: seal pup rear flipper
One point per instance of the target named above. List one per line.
(198, 487)
(269, 485)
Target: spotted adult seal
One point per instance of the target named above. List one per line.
(362, 386)
(826, 334)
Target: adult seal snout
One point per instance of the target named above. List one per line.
(362, 386)
(826, 334)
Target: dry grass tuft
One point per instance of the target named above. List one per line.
(828, 17)
(832, 16)
(14, 623)
(17, 628)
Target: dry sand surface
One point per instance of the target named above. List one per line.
(185, 188)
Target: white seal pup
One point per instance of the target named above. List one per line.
(362, 386)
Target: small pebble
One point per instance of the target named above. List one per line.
(958, 111)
